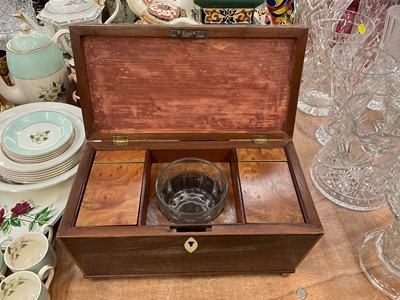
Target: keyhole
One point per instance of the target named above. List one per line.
(191, 245)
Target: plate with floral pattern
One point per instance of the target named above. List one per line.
(37, 133)
(9, 186)
(23, 212)
(8, 165)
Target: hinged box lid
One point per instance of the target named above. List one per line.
(188, 83)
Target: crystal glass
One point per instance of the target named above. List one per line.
(191, 190)
(356, 69)
(379, 253)
(391, 33)
(305, 8)
(329, 29)
(9, 24)
(377, 10)
(348, 170)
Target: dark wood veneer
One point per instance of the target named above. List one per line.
(171, 97)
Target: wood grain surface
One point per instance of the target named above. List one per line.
(112, 193)
(268, 193)
(262, 154)
(206, 86)
(132, 156)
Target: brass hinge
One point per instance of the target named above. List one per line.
(120, 140)
(193, 34)
(259, 139)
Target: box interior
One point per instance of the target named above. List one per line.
(121, 187)
(143, 83)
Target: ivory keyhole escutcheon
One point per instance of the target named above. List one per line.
(191, 245)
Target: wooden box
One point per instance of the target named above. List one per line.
(153, 94)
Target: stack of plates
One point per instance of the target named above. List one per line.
(37, 137)
(40, 145)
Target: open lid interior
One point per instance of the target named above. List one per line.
(188, 83)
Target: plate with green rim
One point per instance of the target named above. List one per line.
(10, 114)
(37, 133)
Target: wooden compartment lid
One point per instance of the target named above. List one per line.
(188, 83)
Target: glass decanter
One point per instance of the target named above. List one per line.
(348, 170)
(379, 253)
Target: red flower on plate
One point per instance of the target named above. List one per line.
(21, 208)
(2, 212)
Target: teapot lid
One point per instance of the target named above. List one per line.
(65, 12)
(68, 6)
(28, 40)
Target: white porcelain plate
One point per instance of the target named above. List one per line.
(37, 133)
(10, 165)
(32, 107)
(27, 211)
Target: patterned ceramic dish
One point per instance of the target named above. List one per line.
(37, 133)
(138, 6)
(230, 3)
(11, 166)
(40, 158)
(6, 186)
(225, 12)
(26, 211)
(224, 15)
(161, 13)
(281, 12)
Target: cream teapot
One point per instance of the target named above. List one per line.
(60, 14)
(36, 68)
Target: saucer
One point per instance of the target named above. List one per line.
(67, 109)
(37, 133)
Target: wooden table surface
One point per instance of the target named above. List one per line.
(330, 271)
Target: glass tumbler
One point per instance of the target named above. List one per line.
(356, 69)
(329, 29)
(191, 191)
(348, 170)
(379, 253)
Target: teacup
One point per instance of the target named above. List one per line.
(30, 251)
(3, 266)
(27, 285)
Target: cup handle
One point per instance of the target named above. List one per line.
(2, 277)
(46, 269)
(47, 229)
(115, 12)
(5, 239)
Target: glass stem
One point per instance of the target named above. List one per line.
(390, 245)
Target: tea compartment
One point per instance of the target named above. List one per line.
(121, 186)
